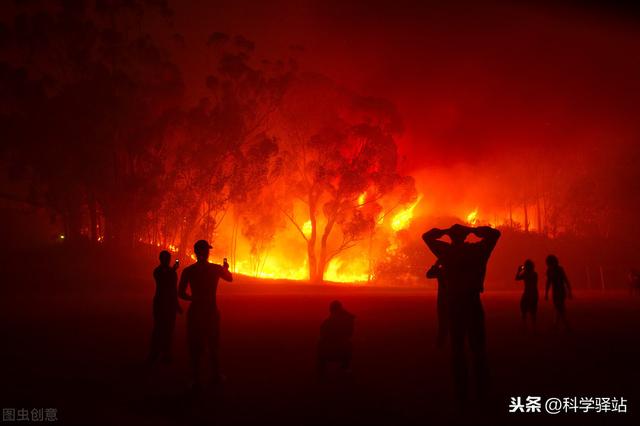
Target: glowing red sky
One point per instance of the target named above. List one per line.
(472, 81)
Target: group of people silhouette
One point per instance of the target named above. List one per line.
(557, 282)
(203, 317)
(460, 270)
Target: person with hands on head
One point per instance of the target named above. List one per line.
(464, 267)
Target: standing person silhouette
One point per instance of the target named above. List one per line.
(559, 283)
(529, 301)
(464, 266)
(441, 305)
(203, 318)
(165, 307)
(633, 277)
(335, 339)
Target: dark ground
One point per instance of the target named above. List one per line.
(81, 351)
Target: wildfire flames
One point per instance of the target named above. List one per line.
(472, 218)
(279, 266)
(402, 220)
(281, 261)
(287, 259)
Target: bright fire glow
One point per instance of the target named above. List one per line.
(287, 260)
(402, 220)
(362, 198)
(306, 228)
(354, 271)
(472, 218)
(338, 271)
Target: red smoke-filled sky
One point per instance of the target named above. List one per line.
(519, 110)
(491, 93)
(472, 80)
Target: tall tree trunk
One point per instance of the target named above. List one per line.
(73, 221)
(322, 262)
(526, 218)
(370, 256)
(187, 230)
(510, 216)
(311, 242)
(311, 255)
(234, 240)
(539, 214)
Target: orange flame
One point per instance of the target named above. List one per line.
(402, 220)
(306, 228)
(472, 218)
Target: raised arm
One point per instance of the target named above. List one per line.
(432, 240)
(487, 233)
(520, 274)
(182, 286)
(225, 274)
(489, 238)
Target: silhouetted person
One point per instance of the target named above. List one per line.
(335, 339)
(633, 278)
(464, 266)
(203, 318)
(559, 284)
(443, 317)
(529, 301)
(165, 307)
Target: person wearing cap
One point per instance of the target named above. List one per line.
(203, 318)
(464, 265)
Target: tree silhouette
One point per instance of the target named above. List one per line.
(336, 146)
(93, 136)
(224, 147)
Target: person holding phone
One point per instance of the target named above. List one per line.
(529, 301)
(165, 307)
(203, 317)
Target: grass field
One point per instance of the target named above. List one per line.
(82, 351)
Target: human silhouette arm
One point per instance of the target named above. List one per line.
(434, 271)
(224, 272)
(520, 273)
(488, 239)
(567, 285)
(182, 286)
(432, 240)
(487, 234)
